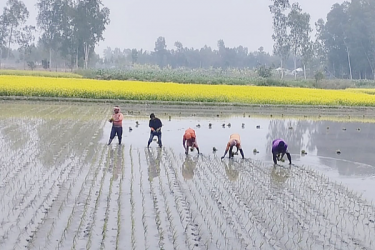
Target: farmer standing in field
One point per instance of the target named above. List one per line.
(190, 140)
(279, 146)
(155, 126)
(234, 140)
(116, 121)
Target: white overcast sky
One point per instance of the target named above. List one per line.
(195, 23)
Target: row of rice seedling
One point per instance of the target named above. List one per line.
(244, 221)
(163, 206)
(212, 213)
(41, 198)
(321, 211)
(29, 196)
(91, 186)
(81, 193)
(182, 224)
(125, 216)
(148, 219)
(133, 90)
(286, 211)
(67, 211)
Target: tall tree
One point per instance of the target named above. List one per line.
(299, 24)
(160, 51)
(90, 21)
(3, 36)
(14, 15)
(281, 46)
(337, 40)
(25, 38)
(50, 14)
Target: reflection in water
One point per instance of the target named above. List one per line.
(279, 176)
(298, 134)
(116, 161)
(348, 168)
(324, 138)
(188, 166)
(231, 169)
(154, 162)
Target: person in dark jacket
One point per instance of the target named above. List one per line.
(155, 126)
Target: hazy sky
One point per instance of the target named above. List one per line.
(195, 23)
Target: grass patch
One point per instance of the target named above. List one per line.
(39, 73)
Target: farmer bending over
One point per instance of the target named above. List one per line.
(280, 147)
(190, 140)
(234, 140)
(116, 121)
(155, 126)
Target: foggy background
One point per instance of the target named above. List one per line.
(138, 23)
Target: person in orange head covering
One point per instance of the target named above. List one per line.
(234, 141)
(190, 140)
(116, 121)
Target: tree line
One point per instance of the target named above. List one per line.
(70, 30)
(343, 47)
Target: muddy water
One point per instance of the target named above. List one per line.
(354, 166)
(62, 187)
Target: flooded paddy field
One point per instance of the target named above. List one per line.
(62, 187)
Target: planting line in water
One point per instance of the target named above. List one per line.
(20, 157)
(235, 210)
(326, 219)
(283, 209)
(111, 226)
(148, 215)
(32, 197)
(222, 221)
(204, 218)
(68, 180)
(161, 208)
(125, 213)
(68, 202)
(181, 222)
(96, 226)
(217, 215)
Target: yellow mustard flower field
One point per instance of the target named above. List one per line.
(136, 90)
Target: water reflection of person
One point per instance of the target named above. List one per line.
(117, 170)
(230, 170)
(279, 175)
(154, 163)
(188, 167)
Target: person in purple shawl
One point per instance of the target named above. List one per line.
(279, 147)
